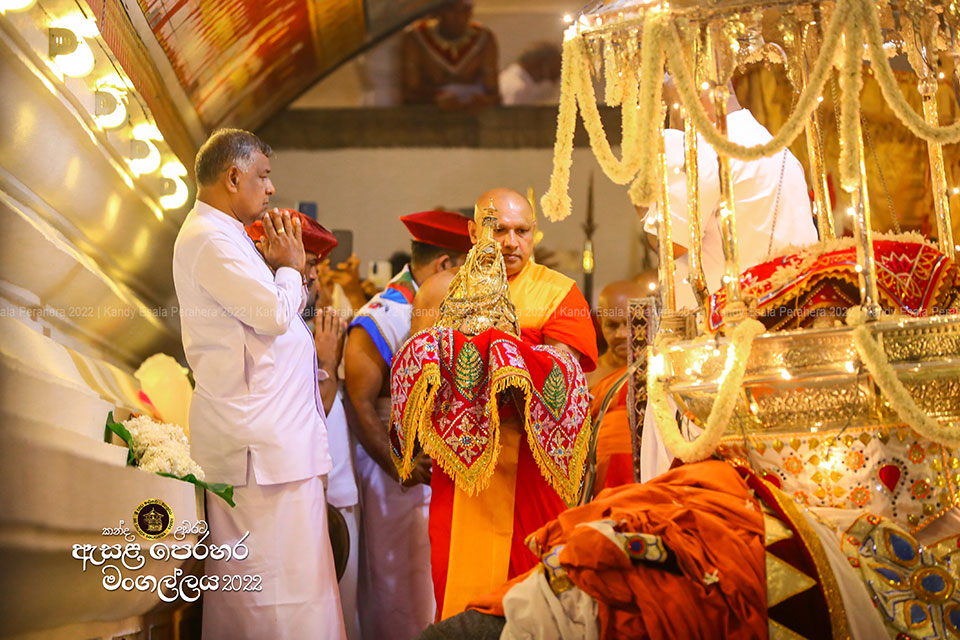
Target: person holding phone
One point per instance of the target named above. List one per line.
(396, 589)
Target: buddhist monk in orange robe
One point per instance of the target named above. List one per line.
(614, 446)
(477, 542)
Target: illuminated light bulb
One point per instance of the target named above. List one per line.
(851, 211)
(848, 365)
(956, 191)
(716, 353)
(652, 286)
(819, 98)
(567, 18)
(941, 75)
(858, 268)
(110, 111)
(658, 365)
(676, 105)
(174, 172)
(15, 5)
(145, 134)
(785, 374)
(705, 85)
(68, 47)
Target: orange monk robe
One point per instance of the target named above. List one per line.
(614, 447)
(477, 542)
(707, 517)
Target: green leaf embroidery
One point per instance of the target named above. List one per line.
(469, 369)
(555, 391)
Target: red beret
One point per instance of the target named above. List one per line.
(440, 228)
(316, 239)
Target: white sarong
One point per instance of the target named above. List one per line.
(289, 550)
(396, 598)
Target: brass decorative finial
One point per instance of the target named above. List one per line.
(479, 295)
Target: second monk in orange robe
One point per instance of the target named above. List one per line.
(614, 446)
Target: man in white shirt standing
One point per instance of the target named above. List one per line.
(770, 196)
(772, 209)
(256, 418)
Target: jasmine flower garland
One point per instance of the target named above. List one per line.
(731, 378)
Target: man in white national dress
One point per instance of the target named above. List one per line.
(256, 418)
(772, 208)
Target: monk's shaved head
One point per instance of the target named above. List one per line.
(516, 226)
(617, 293)
(614, 321)
(505, 201)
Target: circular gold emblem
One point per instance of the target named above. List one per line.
(153, 519)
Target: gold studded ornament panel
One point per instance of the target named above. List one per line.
(888, 471)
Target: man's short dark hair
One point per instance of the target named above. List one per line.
(226, 148)
(422, 253)
(398, 260)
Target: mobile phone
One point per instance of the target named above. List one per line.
(344, 249)
(307, 208)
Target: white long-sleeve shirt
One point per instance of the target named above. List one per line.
(252, 357)
(761, 213)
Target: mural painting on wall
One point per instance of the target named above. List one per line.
(240, 61)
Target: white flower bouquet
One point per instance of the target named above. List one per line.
(162, 447)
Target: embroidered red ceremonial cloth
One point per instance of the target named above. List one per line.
(913, 278)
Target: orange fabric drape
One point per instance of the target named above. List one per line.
(614, 446)
(708, 520)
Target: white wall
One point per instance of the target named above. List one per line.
(366, 190)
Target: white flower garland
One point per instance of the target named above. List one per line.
(612, 76)
(859, 19)
(900, 400)
(555, 203)
(851, 83)
(891, 89)
(646, 187)
(731, 378)
(161, 447)
(619, 171)
(806, 103)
